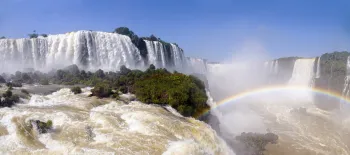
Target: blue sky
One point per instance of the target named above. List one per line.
(211, 29)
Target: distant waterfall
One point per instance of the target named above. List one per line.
(271, 71)
(303, 75)
(163, 57)
(196, 65)
(318, 69)
(346, 90)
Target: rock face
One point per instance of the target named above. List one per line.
(332, 76)
(41, 127)
(254, 143)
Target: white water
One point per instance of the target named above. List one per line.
(302, 127)
(89, 50)
(318, 70)
(196, 65)
(86, 125)
(302, 73)
(346, 89)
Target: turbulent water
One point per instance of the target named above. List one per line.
(302, 127)
(86, 125)
(89, 50)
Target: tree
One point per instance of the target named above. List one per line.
(3, 37)
(153, 38)
(44, 35)
(152, 67)
(76, 90)
(124, 70)
(124, 31)
(33, 35)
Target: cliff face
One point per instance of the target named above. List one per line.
(332, 77)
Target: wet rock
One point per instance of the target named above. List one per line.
(89, 132)
(41, 127)
(254, 143)
(299, 110)
(127, 98)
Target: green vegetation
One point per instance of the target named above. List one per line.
(8, 99)
(102, 90)
(13, 84)
(24, 91)
(154, 86)
(44, 35)
(184, 93)
(33, 35)
(138, 42)
(141, 44)
(333, 72)
(42, 127)
(44, 82)
(2, 79)
(3, 37)
(76, 90)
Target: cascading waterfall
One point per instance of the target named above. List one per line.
(161, 57)
(346, 90)
(318, 70)
(302, 73)
(179, 57)
(303, 76)
(156, 53)
(88, 49)
(275, 67)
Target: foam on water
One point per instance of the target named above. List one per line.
(106, 127)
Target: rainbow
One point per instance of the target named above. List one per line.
(278, 88)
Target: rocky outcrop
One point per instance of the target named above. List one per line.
(333, 71)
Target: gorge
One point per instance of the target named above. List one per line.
(302, 100)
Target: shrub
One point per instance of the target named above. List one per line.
(44, 82)
(101, 90)
(76, 90)
(9, 99)
(42, 127)
(13, 84)
(24, 91)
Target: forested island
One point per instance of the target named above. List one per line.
(185, 93)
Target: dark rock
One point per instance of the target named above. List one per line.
(41, 127)
(73, 69)
(76, 90)
(253, 143)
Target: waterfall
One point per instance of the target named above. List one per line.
(275, 67)
(178, 57)
(156, 55)
(161, 56)
(303, 76)
(195, 65)
(346, 89)
(87, 49)
(318, 69)
(302, 73)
